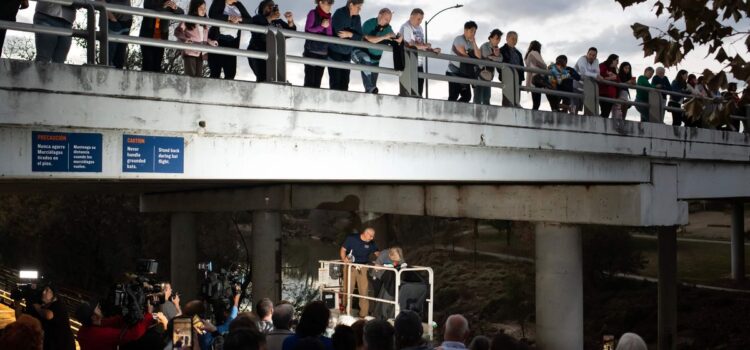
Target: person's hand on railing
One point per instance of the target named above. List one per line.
(345, 34)
(235, 19)
(213, 43)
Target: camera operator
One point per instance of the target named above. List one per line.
(99, 333)
(54, 318)
(171, 306)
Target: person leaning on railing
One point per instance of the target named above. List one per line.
(491, 52)
(347, 24)
(8, 11)
(377, 31)
(560, 79)
(50, 47)
(534, 59)
(414, 38)
(268, 15)
(318, 22)
(156, 28)
(680, 85)
(192, 33)
(464, 45)
(641, 95)
(624, 76)
(608, 71)
(234, 12)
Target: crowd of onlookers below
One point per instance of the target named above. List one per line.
(704, 106)
(270, 327)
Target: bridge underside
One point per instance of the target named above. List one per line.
(268, 148)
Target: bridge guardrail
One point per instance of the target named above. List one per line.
(277, 59)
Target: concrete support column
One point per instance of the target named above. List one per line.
(266, 251)
(559, 287)
(738, 241)
(667, 288)
(184, 260)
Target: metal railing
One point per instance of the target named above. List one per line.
(277, 59)
(349, 294)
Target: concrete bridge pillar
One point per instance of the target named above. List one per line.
(738, 241)
(183, 252)
(266, 252)
(667, 288)
(559, 286)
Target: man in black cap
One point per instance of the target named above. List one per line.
(409, 331)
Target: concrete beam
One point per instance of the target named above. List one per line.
(622, 205)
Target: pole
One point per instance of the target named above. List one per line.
(426, 59)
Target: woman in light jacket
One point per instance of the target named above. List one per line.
(192, 33)
(534, 60)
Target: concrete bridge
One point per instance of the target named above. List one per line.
(192, 145)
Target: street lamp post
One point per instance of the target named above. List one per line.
(426, 65)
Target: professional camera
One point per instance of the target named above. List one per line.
(221, 285)
(29, 289)
(131, 298)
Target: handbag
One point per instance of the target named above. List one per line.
(487, 73)
(540, 81)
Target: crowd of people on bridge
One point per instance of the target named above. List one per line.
(44, 324)
(702, 104)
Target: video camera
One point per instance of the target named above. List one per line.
(131, 298)
(221, 285)
(30, 288)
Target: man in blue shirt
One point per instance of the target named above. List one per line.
(357, 249)
(376, 30)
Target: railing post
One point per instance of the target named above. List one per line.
(103, 35)
(511, 88)
(408, 82)
(272, 49)
(280, 57)
(590, 97)
(91, 30)
(655, 107)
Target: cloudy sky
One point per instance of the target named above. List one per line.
(562, 26)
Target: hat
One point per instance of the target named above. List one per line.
(408, 325)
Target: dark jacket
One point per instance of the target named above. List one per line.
(9, 9)
(216, 11)
(341, 20)
(678, 86)
(258, 40)
(508, 52)
(149, 24)
(664, 82)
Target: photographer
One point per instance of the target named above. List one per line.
(171, 306)
(102, 333)
(268, 15)
(54, 318)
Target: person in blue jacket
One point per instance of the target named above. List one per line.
(346, 25)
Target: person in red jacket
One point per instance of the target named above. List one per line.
(99, 333)
(608, 71)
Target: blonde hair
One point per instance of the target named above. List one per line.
(396, 254)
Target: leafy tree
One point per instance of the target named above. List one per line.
(20, 48)
(698, 22)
